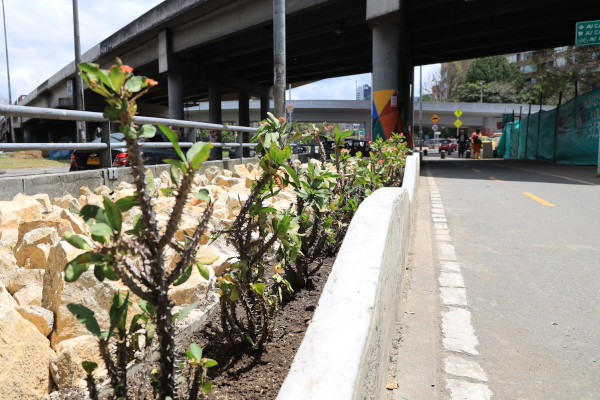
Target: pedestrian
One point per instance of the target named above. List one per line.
(463, 143)
(476, 144)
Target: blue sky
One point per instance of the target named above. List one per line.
(40, 42)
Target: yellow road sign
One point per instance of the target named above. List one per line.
(457, 123)
(435, 118)
(458, 113)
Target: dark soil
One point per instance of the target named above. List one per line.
(245, 374)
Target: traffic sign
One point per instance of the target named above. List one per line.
(587, 33)
(434, 127)
(457, 123)
(435, 118)
(458, 113)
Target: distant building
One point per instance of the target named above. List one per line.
(363, 92)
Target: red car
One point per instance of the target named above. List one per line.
(449, 145)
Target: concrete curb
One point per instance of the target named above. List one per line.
(344, 352)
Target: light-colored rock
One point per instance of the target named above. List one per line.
(125, 185)
(60, 226)
(227, 173)
(93, 200)
(60, 254)
(200, 180)
(225, 181)
(67, 202)
(281, 205)
(34, 248)
(235, 199)
(30, 295)
(26, 209)
(103, 191)
(216, 258)
(21, 277)
(24, 358)
(44, 200)
(8, 262)
(76, 222)
(187, 227)
(8, 219)
(66, 367)
(191, 291)
(41, 318)
(212, 172)
(240, 171)
(6, 300)
(85, 191)
(8, 238)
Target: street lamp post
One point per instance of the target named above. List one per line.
(9, 120)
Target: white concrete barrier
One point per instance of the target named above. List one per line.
(344, 354)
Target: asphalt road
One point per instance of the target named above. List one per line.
(529, 247)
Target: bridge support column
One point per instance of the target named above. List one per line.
(214, 117)
(243, 120)
(391, 68)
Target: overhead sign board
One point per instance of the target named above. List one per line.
(458, 113)
(435, 118)
(587, 33)
(457, 123)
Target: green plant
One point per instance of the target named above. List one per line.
(138, 257)
(246, 288)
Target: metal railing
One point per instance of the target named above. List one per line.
(105, 144)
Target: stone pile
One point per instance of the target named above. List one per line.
(42, 345)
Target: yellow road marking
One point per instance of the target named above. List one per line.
(496, 179)
(539, 200)
(476, 170)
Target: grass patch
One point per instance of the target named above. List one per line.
(16, 163)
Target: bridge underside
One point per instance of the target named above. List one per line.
(227, 45)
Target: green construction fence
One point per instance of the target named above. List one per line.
(569, 134)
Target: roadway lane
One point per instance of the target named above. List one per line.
(532, 275)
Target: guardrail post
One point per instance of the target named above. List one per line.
(106, 155)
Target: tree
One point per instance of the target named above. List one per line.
(451, 76)
(494, 69)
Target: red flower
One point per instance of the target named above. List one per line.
(151, 82)
(380, 162)
(281, 119)
(126, 68)
(344, 150)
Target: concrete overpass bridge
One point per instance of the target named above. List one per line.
(223, 49)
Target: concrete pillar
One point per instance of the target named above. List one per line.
(265, 106)
(106, 159)
(175, 91)
(244, 120)
(214, 117)
(385, 80)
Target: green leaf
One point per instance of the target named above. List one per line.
(101, 231)
(85, 316)
(196, 351)
(127, 203)
(147, 131)
(76, 241)
(99, 272)
(147, 307)
(187, 272)
(89, 366)
(90, 211)
(235, 294)
(174, 172)
(209, 363)
(109, 272)
(204, 271)
(198, 153)
(118, 313)
(117, 78)
(73, 271)
(89, 258)
(203, 194)
(134, 84)
(293, 175)
(172, 136)
(150, 180)
(185, 312)
(129, 131)
(112, 113)
(113, 214)
(206, 387)
(258, 288)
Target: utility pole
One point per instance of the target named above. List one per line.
(421, 104)
(78, 80)
(279, 57)
(9, 120)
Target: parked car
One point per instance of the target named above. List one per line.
(448, 145)
(90, 159)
